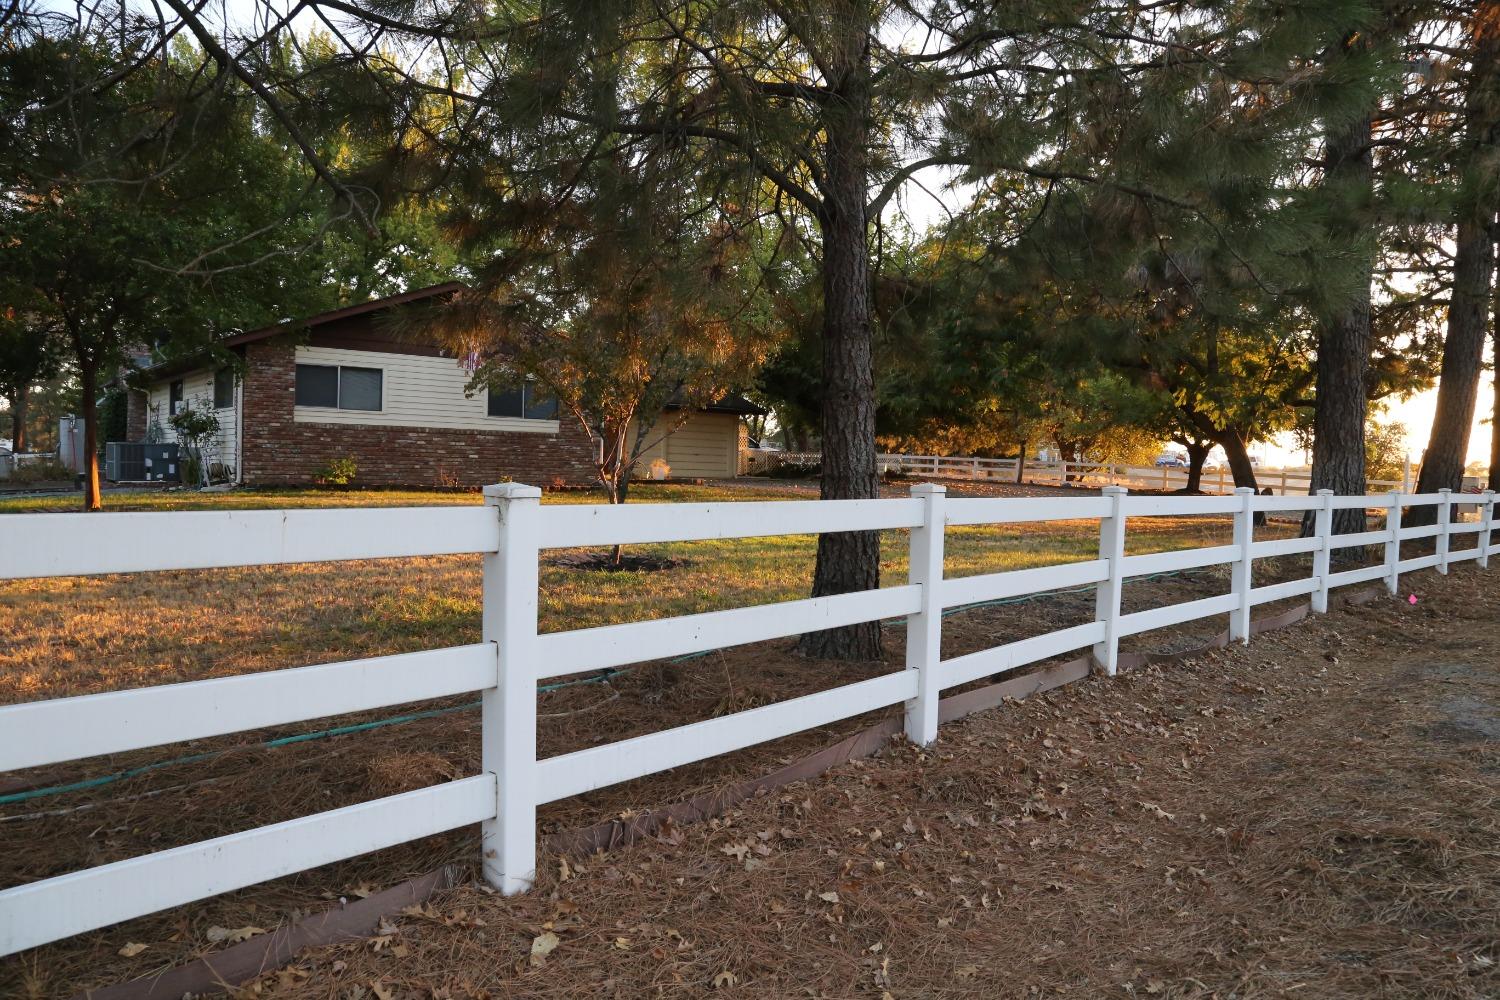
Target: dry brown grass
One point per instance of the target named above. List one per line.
(74, 636)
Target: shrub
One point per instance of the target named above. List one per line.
(338, 471)
(48, 470)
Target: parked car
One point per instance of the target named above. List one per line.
(1171, 462)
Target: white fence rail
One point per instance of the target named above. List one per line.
(1281, 482)
(510, 530)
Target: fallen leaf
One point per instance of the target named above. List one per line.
(725, 978)
(381, 990)
(132, 949)
(829, 897)
(233, 935)
(543, 945)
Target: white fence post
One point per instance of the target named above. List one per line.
(1487, 524)
(1239, 571)
(1393, 544)
(1322, 556)
(1107, 595)
(924, 630)
(1445, 522)
(508, 710)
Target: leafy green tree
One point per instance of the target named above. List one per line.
(819, 118)
(29, 355)
(148, 214)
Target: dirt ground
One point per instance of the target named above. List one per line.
(1314, 815)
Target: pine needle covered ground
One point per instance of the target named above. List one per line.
(1315, 815)
(1091, 766)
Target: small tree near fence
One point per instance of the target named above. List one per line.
(198, 437)
(609, 310)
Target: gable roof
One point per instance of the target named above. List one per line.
(347, 312)
(732, 403)
(188, 362)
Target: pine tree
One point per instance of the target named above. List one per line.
(1476, 158)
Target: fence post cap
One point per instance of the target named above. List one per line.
(1113, 491)
(1325, 493)
(1245, 489)
(511, 491)
(927, 489)
(1445, 490)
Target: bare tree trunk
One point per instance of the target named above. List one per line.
(1239, 458)
(88, 376)
(20, 404)
(850, 560)
(1021, 463)
(617, 494)
(1197, 453)
(1344, 338)
(1463, 363)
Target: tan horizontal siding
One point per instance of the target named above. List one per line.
(417, 391)
(198, 393)
(705, 446)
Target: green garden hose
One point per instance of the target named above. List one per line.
(281, 741)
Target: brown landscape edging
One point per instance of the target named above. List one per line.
(240, 963)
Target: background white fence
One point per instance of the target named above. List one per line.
(1282, 482)
(510, 530)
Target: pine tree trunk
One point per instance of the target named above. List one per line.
(847, 561)
(1473, 266)
(1494, 482)
(88, 377)
(1344, 338)
(1463, 364)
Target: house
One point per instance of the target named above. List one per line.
(340, 386)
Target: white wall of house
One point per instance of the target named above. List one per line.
(198, 393)
(417, 391)
(705, 446)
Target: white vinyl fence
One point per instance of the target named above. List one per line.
(509, 531)
(1282, 482)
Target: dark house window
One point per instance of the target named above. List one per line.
(528, 401)
(337, 387)
(223, 388)
(174, 398)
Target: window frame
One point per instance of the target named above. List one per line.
(176, 397)
(338, 387)
(525, 391)
(228, 373)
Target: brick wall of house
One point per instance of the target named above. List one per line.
(277, 450)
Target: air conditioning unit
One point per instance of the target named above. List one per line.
(139, 462)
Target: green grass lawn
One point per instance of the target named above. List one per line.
(77, 635)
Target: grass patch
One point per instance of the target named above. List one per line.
(79, 635)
